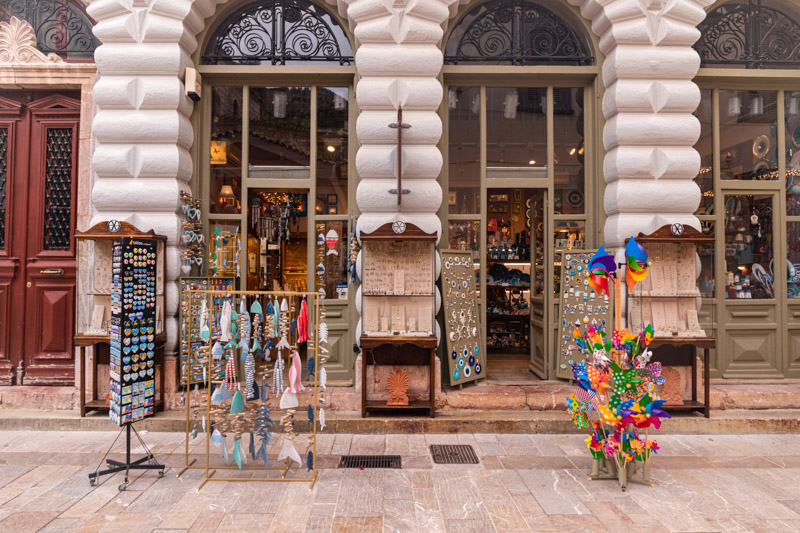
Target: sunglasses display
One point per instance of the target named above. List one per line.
(133, 328)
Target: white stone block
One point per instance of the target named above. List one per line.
(651, 129)
(651, 196)
(675, 162)
(373, 195)
(650, 62)
(655, 96)
(426, 127)
(399, 60)
(135, 59)
(115, 160)
(413, 93)
(153, 126)
(380, 161)
(153, 194)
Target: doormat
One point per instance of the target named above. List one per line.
(370, 461)
(454, 454)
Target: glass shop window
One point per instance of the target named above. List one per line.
(226, 149)
(706, 282)
(748, 129)
(331, 258)
(792, 106)
(277, 233)
(332, 139)
(704, 146)
(568, 124)
(464, 170)
(225, 249)
(793, 263)
(748, 247)
(280, 132)
(516, 132)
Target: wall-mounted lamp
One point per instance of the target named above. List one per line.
(279, 103)
(735, 104)
(756, 104)
(510, 103)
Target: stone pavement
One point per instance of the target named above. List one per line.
(524, 483)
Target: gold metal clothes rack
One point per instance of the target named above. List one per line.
(312, 301)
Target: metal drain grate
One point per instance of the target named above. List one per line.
(370, 461)
(454, 454)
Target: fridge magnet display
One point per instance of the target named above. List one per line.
(465, 360)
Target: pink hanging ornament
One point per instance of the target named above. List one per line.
(302, 323)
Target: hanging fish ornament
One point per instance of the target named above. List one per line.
(311, 415)
(277, 317)
(225, 322)
(263, 421)
(353, 257)
(289, 452)
(320, 240)
(283, 343)
(323, 378)
(237, 406)
(249, 376)
(302, 323)
(216, 351)
(289, 396)
(277, 375)
(311, 366)
(230, 372)
(309, 461)
(332, 239)
(321, 416)
(205, 331)
(245, 327)
(255, 309)
(216, 438)
(220, 395)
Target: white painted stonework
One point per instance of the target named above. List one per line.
(143, 133)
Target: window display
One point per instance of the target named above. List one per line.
(748, 247)
(748, 135)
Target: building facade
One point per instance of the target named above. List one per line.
(534, 128)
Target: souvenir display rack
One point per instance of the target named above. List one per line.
(461, 322)
(280, 332)
(579, 304)
(668, 298)
(191, 329)
(94, 250)
(398, 305)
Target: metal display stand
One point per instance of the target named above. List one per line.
(315, 350)
(148, 462)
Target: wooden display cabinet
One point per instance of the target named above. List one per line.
(94, 303)
(671, 288)
(398, 306)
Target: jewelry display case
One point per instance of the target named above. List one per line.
(669, 298)
(93, 302)
(398, 304)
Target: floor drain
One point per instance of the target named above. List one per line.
(370, 461)
(454, 454)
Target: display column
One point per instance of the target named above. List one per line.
(650, 161)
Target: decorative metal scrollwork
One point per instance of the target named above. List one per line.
(3, 180)
(749, 34)
(61, 26)
(278, 32)
(58, 189)
(515, 32)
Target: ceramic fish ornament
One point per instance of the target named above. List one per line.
(323, 332)
(263, 422)
(277, 375)
(309, 461)
(205, 331)
(294, 374)
(237, 406)
(216, 351)
(289, 452)
(245, 328)
(221, 394)
(255, 309)
(302, 323)
(311, 366)
(216, 438)
(321, 417)
(225, 451)
(276, 313)
(249, 376)
(283, 343)
(310, 415)
(323, 378)
(332, 239)
(225, 321)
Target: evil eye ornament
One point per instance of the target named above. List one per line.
(453, 336)
(461, 362)
(456, 374)
(476, 349)
(478, 368)
(453, 354)
(471, 360)
(467, 372)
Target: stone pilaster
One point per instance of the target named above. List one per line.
(650, 131)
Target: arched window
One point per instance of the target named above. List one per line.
(749, 34)
(61, 27)
(516, 32)
(278, 32)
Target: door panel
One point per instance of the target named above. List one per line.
(537, 204)
(37, 265)
(339, 366)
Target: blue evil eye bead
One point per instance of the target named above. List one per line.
(461, 362)
(471, 360)
(466, 352)
(467, 372)
(478, 368)
(580, 268)
(476, 349)
(453, 354)
(456, 374)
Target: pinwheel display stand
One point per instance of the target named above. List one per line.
(220, 405)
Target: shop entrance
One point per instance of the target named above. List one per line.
(515, 315)
(38, 185)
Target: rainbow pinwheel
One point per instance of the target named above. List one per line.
(602, 267)
(636, 257)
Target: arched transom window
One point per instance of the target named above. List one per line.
(516, 32)
(278, 32)
(61, 27)
(750, 34)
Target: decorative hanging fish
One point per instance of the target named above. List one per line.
(255, 309)
(321, 416)
(216, 351)
(311, 415)
(323, 378)
(220, 394)
(237, 406)
(263, 421)
(311, 365)
(216, 438)
(225, 322)
(245, 327)
(323, 332)
(309, 461)
(293, 328)
(225, 450)
(288, 451)
(277, 375)
(205, 331)
(302, 323)
(249, 376)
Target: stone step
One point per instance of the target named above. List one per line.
(733, 421)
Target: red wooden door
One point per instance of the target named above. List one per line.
(37, 261)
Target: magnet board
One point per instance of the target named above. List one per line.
(133, 328)
(465, 360)
(578, 302)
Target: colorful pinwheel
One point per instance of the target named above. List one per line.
(636, 257)
(602, 267)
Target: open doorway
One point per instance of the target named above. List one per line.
(515, 283)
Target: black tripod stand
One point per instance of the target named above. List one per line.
(128, 465)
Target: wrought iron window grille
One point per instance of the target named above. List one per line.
(516, 32)
(749, 34)
(278, 32)
(61, 27)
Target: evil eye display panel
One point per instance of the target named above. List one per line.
(461, 317)
(133, 330)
